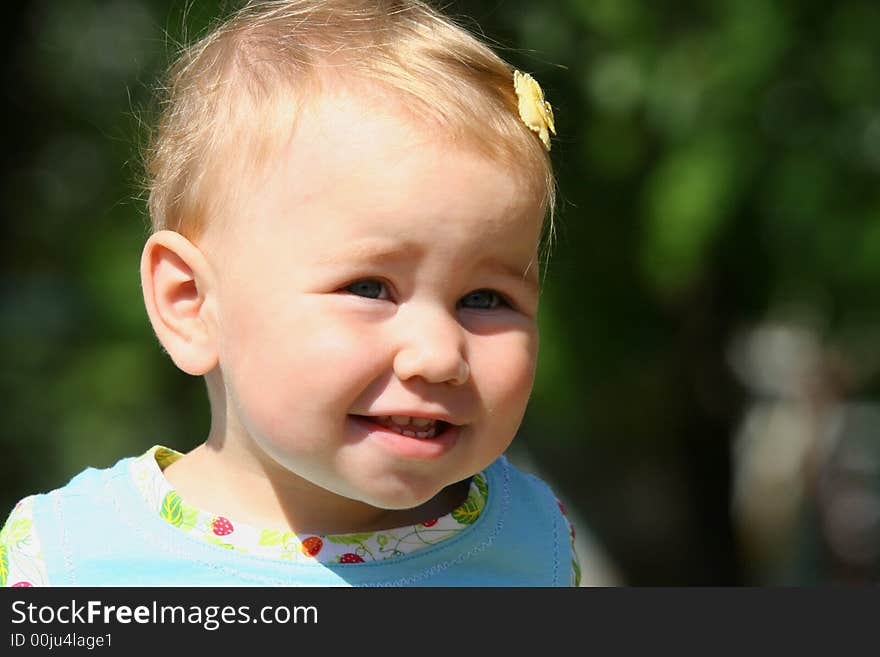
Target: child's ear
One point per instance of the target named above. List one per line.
(175, 277)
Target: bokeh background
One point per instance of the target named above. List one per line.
(706, 403)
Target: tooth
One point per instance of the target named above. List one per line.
(425, 434)
(411, 434)
(400, 419)
(421, 421)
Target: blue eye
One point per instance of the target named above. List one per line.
(482, 300)
(369, 288)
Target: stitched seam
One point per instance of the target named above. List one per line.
(63, 538)
(557, 514)
(152, 540)
(555, 550)
(440, 567)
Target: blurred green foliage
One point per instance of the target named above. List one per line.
(718, 165)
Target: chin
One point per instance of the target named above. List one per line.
(402, 496)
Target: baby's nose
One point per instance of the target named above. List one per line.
(433, 347)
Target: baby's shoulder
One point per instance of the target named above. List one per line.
(41, 525)
(525, 487)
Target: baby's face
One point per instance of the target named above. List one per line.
(378, 281)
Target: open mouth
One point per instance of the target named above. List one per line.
(414, 427)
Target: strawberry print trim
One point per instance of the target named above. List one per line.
(221, 526)
(287, 546)
(311, 546)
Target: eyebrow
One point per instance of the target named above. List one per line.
(367, 252)
(371, 253)
(527, 275)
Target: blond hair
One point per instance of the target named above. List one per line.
(242, 86)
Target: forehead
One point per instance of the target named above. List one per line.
(360, 163)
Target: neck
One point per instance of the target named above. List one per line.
(235, 482)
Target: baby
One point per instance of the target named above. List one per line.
(348, 201)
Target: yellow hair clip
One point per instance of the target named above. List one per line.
(535, 112)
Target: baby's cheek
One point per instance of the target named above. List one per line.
(504, 368)
(344, 355)
(267, 406)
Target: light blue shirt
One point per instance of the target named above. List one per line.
(98, 531)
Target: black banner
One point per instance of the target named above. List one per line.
(571, 621)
